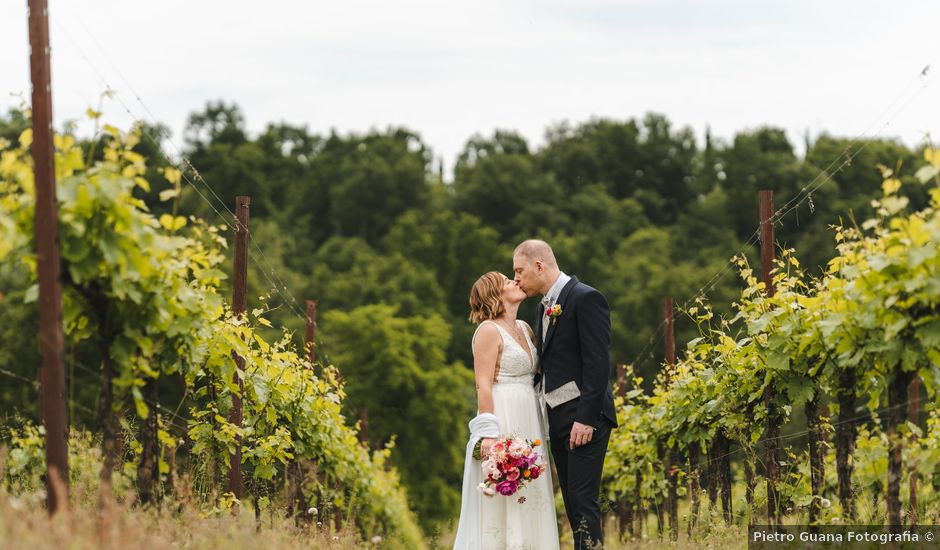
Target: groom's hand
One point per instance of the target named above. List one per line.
(581, 434)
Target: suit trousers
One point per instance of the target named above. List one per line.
(579, 474)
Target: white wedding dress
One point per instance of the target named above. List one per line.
(499, 522)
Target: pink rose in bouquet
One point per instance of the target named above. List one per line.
(512, 462)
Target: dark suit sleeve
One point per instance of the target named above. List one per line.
(594, 333)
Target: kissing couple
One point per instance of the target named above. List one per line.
(550, 383)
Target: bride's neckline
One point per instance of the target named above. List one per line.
(528, 347)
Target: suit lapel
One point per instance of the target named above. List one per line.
(562, 300)
(538, 326)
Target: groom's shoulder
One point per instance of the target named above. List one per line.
(582, 289)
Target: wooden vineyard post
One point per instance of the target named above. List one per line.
(673, 453)
(239, 306)
(625, 508)
(912, 515)
(772, 428)
(621, 380)
(52, 370)
(310, 337)
(364, 427)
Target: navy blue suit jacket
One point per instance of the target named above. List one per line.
(577, 348)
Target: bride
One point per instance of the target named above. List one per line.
(504, 363)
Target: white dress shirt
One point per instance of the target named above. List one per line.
(551, 298)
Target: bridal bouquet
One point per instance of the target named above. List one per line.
(510, 465)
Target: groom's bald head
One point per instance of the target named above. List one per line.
(535, 266)
(535, 250)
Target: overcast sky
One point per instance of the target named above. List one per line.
(448, 70)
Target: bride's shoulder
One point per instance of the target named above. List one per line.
(487, 331)
(487, 325)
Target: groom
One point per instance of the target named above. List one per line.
(573, 333)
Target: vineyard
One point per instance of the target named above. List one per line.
(798, 351)
(144, 292)
(181, 397)
(723, 426)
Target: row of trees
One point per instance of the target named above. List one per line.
(366, 225)
(865, 329)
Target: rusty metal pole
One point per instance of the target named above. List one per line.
(310, 339)
(52, 370)
(771, 429)
(239, 306)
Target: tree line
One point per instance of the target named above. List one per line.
(366, 224)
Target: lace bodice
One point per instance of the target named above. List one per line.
(516, 365)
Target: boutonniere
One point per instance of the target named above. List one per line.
(554, 313)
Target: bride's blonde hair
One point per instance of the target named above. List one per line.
(485, 302)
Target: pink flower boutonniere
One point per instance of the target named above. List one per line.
(554, 313)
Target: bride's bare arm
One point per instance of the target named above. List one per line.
(486, 349)
(485, 355)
